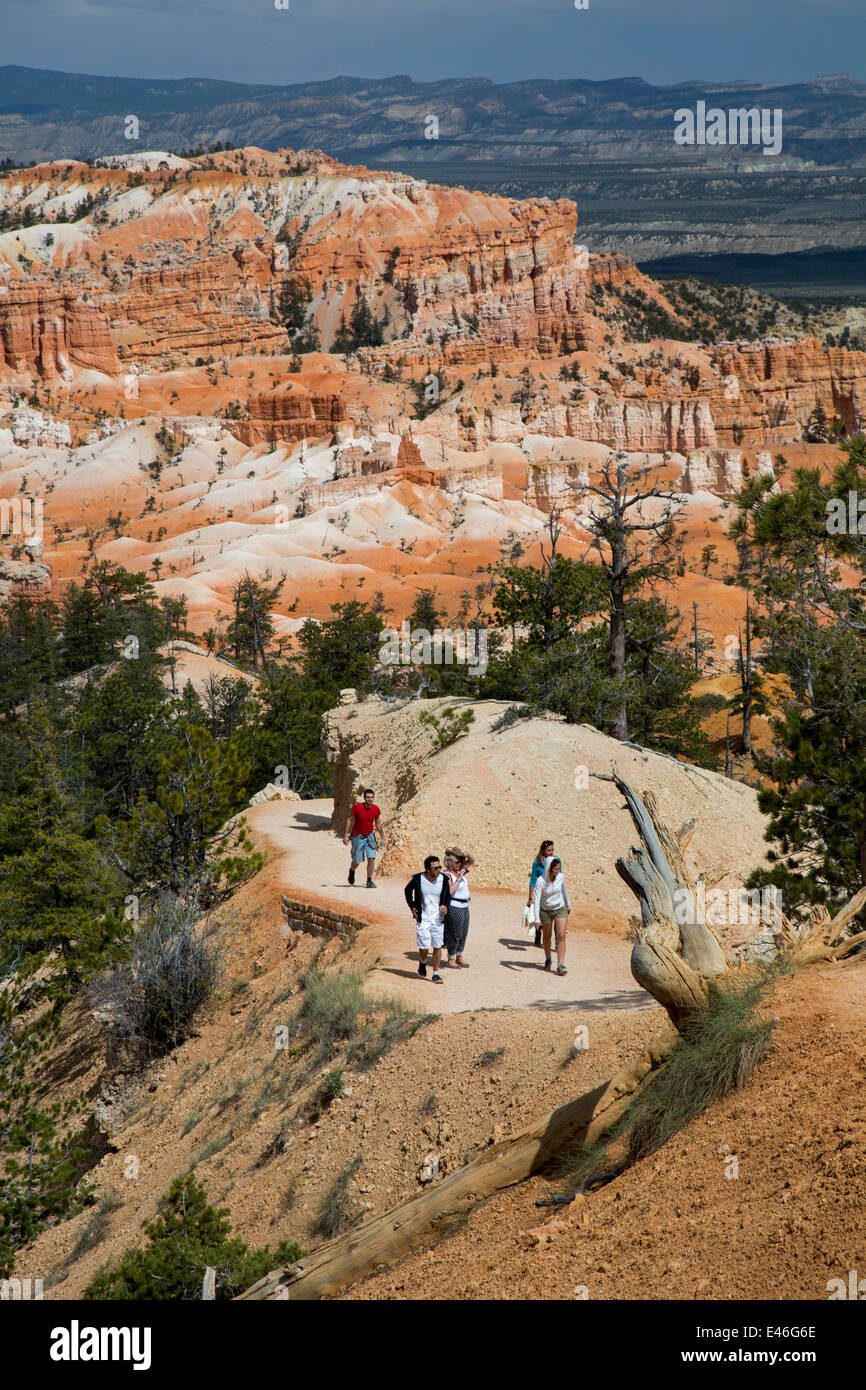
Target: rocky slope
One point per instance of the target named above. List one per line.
(248, 1117)
(49, 333)
(683, 1223)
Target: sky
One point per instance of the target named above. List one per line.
(663, 41)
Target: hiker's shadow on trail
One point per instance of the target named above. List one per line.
(307, 821)
(405, 974)
(517, 943)
(536, 964)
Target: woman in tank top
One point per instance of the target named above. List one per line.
(457, 866)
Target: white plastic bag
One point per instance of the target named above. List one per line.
(529, 922)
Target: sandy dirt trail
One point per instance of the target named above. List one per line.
(505, 967)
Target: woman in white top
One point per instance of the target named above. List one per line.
(457, 866)
(551, 910)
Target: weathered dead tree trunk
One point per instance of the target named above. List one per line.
(729, 767)
(820, 937)
(747, 682)
(386, 1238)
(676, 952)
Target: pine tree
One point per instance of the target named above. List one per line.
(424, 611)
(813, 630)
(343, 340)
(817, 427)
(188, 1237)
(181, 838)
(113, 725)
(252, 626)
(29, 655)
(59, 901)
(635, 546)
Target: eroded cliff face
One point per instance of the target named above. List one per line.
(524, 280)
(192, 430)
(721, 471)
(216, 307)
(27, 577)
(49, 333)
(291, 414)
(768, 390)
(177, 262)
(198, 260)
(552, 483)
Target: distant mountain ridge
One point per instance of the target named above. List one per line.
(47, 114)
(608, 145)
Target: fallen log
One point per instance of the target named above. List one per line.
(384, 1239)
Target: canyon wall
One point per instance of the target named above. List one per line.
(48, 333)
(768, 390)
(194, 261)
(177, 266)
(215, 307)
(290, 415)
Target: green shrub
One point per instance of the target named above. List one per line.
(718, 1053)
(331, 1007)
(336, 1011)
(388, 1021)
(709, 703)
(450, 726)
(188, 1237)
(42, 1169)
(511, 716)
(333, 1083)
(96, 1228)
(488, 1058)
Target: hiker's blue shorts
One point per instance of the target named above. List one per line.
(363, 847)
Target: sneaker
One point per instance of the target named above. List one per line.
(352, 877)
(538, 936)
(371, 884)
(422, 969)
(548, 962)
(437, 978)
(561, 970)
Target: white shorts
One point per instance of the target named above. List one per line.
(430, 932)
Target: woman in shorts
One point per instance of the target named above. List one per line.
(551, 910)
(539, 864)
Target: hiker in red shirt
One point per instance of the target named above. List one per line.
(363, 825)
